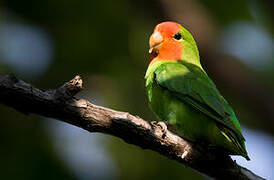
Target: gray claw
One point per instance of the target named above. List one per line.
(162, 125)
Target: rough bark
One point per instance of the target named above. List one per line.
(60, 104)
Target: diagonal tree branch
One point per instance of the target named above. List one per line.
(60, 104)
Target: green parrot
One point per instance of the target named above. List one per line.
(181, 93)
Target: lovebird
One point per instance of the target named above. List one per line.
(181, 93)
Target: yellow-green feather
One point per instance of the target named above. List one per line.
(182, 94)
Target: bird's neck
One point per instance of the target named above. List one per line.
(190, 54)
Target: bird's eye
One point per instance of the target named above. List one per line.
(177, 36)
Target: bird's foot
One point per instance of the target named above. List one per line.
(162, 125)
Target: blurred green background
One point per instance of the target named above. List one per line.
(48, 42)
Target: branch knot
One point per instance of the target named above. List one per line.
(69, 89)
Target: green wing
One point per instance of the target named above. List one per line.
(191, 84)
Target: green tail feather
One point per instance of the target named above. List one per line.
(239, 144)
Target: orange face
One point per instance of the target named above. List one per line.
(165, 42)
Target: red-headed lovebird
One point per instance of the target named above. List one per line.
(181, 93)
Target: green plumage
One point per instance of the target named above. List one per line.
(182, 94)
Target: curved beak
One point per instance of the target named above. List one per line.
(155, 41)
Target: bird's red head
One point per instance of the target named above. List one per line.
(165, 42)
